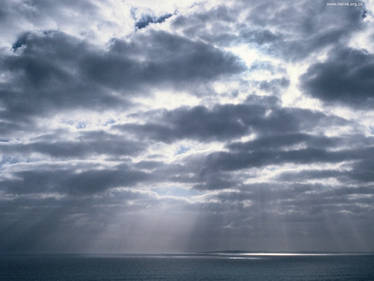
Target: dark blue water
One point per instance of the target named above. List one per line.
(186, 268)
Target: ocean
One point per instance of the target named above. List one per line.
(187, 267)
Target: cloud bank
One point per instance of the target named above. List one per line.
(186, 127)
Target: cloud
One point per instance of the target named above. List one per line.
(229, 121)
(115, 126)
(71, 180)
(290, 30)
(363, 171)
(283, 141)
(179, 60)
(344, 78)
(86, 19)
(87, 144)
(311, 174)
(229, 161)
(146, 19)
(46, 76)
(241, 161)
(318, 25)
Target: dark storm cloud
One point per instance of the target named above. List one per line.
(344, 78)
(225, 122)
(85, 144)
(179, 60)
(146, 19)
(52, 72)
(231, 168)
(44, 78)
(240, 160)
(69, 180)
(363, 171)
(310, 174)
(229, 161)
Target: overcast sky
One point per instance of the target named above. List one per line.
(158, 126)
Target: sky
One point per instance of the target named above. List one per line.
(173, 126)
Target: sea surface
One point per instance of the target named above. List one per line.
(186, 267)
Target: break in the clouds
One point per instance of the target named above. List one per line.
(194, 126)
